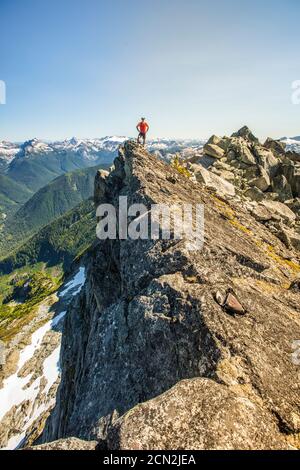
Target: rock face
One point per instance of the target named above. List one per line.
(71, 443)
(196, 414)
(147, 326)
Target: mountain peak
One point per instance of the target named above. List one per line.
(246, 133)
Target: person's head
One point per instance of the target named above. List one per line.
(143, 119)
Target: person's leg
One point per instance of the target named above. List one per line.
(138, 139)
(144, 139)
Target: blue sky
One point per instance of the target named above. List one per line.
(89, 68)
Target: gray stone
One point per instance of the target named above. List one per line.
(292, 173)
(266, 159)
(262, 182)
(213, 151)
(282, 188)
(280, 209)
(275, 146)
(196, 414)
(215, 182)
(255, 194)
(214, 139)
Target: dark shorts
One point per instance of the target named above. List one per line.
(142, 134)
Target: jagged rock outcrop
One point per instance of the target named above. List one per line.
(196, 414)
(149, 317)
(246, 134)
(261, 174)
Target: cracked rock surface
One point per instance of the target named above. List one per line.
(146, 326)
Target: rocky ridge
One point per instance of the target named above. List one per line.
(265, 179)
(170, 348)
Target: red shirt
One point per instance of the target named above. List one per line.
(143, 127)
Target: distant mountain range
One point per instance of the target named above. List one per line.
(34, 163)
(292, 143)
(48, 203)
(296, 138)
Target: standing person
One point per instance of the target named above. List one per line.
(142, 128)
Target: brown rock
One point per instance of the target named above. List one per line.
(232, 305)
(70, 443)
(196, 414)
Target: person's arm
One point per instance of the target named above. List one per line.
(147, 127)
(138, 127)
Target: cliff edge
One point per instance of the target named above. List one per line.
(171, 348)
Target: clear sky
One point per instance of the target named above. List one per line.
(89, 68)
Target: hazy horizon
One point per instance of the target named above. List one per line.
(193, 68)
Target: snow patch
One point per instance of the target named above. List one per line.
(75, 283)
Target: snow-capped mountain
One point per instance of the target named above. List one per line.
(292, 143)
(87, 149)
(8, 151)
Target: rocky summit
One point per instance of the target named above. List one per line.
(171, 348)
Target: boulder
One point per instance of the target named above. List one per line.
(266, 159)
(242, 151)
(262, 182)
(197, 414)
(289, 237)
(214, 139)
(291, 171)
(275, 146)
(294, 156)
(220, 165)
(250, 173)
(224, 143)
(282, 188)
(231, 155)
(213, 151)
(195, 158)
(280, 209)
(214, 182)
(225, 174)
(294, 205)
(261, 213)
(295, 240)
(204, 160)
(254, 193)
(271, 196)
(232, 305)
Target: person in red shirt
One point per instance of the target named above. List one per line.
(142, 128)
